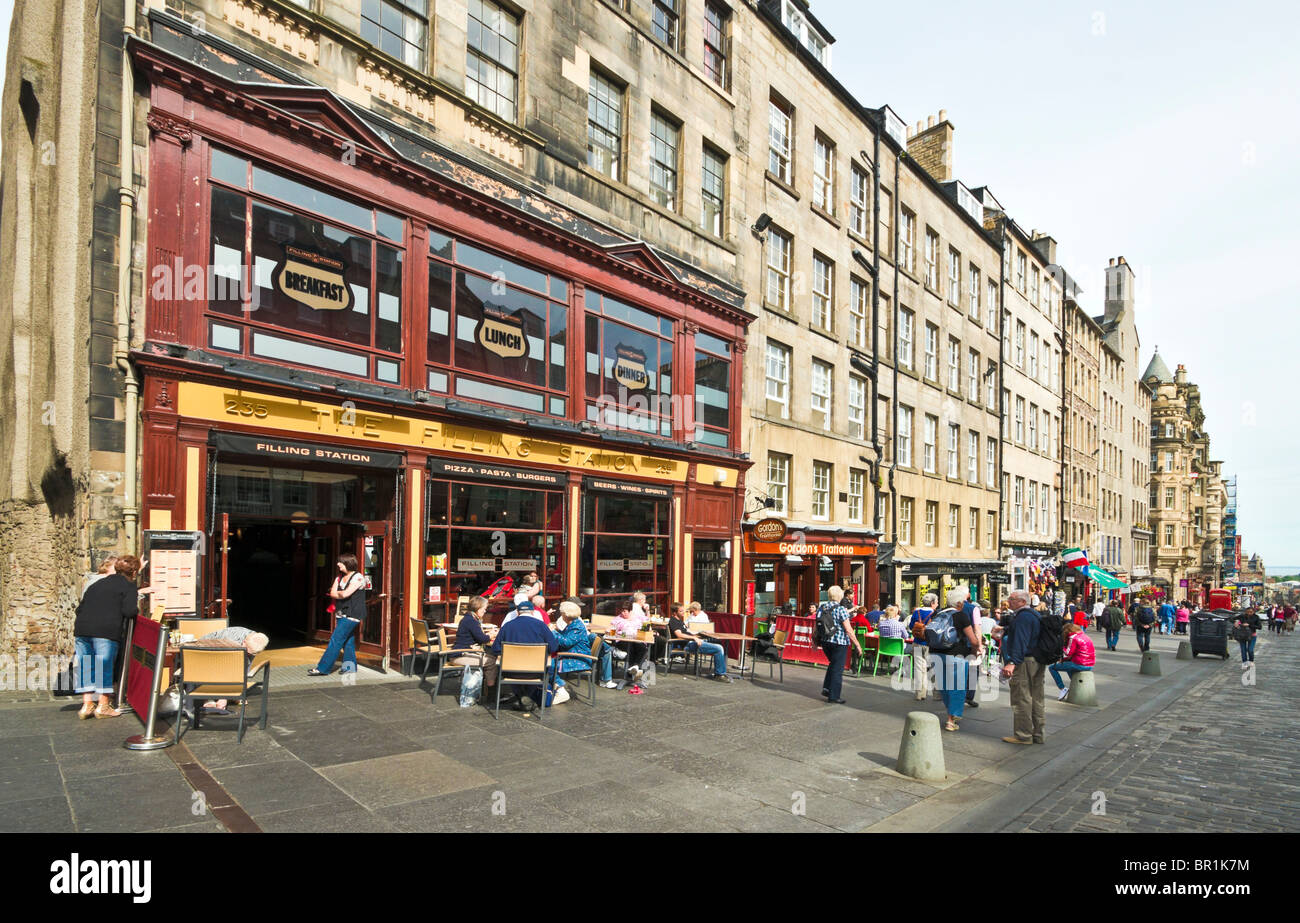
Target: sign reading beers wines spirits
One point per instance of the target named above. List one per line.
(629, 368)
(313, 278)
(770, 530)
(501, 333)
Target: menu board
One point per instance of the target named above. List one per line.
(173, 575)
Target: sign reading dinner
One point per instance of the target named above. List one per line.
(313, 278)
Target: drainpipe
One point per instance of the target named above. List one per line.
(893, 491)
(875, 329)
(126, 247)
(1002, 364)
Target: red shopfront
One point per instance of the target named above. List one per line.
(784, 579)
(450, 388)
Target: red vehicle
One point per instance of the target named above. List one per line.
(1219, 599)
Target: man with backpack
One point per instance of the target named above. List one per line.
(1032, 642)
(1143, 622)
(835, 634)
(1111, 621)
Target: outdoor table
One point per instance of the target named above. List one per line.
(742, 640)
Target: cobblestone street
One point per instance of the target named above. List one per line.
(1220, 759)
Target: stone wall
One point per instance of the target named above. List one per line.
(40, 577)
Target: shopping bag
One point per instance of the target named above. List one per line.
(471, 684)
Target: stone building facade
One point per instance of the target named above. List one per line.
(1125, 538)
(1187, 493)
(1081, 440)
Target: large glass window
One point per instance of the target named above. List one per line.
(480, 533)
(712, 390)
(713, 191)
(629, 366)
(664, 136)
(780, 144)
(624, 549)
(291, 281)
(492, 58)
(497, 328)
(666, 20)
(716, 23)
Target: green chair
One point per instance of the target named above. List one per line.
(889, 647)
(864, 634)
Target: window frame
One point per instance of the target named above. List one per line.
(471, 53)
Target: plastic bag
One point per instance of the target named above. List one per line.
(169, 703)
(471, 684)
(648, 677)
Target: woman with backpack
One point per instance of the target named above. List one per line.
(952, 638)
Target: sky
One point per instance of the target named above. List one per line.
(1167, 133)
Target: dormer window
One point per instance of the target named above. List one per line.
(807, 34)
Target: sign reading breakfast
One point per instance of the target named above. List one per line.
(312, 278)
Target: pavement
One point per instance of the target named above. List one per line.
(691, 754)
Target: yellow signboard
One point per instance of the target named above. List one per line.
(238, 406)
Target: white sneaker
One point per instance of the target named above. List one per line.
(609, 685)
(560, 696)
(1064, 693)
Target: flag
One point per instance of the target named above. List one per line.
(1076, 558)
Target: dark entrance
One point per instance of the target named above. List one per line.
(284, 530)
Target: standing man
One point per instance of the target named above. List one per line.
(1025, 673)
(1112, 619)
(920, 650)
(1143, 622)
(1167, 614)
(972, 612)
(836, 644)
(1097, 609)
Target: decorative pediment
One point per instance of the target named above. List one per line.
(321, 107)
(639, 254)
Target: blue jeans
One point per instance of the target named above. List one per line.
(1144, 639)
(833, 683)
(1247, 650)
(94, 668)
(1071, 668)
(719, 655)
(605, 663)
(951, 674)
(343, 639)
(1112, 637)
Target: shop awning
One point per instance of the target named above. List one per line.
(1105, 580)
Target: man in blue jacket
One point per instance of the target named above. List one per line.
(527, 627)
(1025, 673)
(1167, 614)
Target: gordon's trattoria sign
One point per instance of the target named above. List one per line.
(769, 530)
(501, 333)
(313, 278)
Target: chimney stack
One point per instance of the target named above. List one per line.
(931, 146)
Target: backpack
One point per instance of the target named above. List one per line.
(826, 623)
(918, 627)
(1145, 617)
(941, 631)
(1051, 639)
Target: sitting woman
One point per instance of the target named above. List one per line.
(891, 626)
(626, 625)
(574, 638)
(472, 635)
(1079, 656)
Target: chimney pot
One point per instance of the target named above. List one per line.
(943, 115)
(1112, 261)
(929, 122)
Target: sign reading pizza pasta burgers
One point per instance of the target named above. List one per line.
(313, 278)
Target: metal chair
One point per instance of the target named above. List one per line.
(423, 643)
(523, 665)
(218, 673)
(778, 642)
(699, 628)
(590, 671)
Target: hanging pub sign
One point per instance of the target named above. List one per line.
(770, 530)
(313, 278)
(501, 333)
(629, 368)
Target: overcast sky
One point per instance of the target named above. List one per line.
(1168, 133)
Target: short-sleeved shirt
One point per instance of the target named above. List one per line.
(961, 620)
(841, 615)
(675, 625)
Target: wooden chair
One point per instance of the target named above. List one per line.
(218, 673)
(523, 665)
(601, 622)
(423, 643)
(699, 628)
(200, 627)
(444, 652)
(778, 642)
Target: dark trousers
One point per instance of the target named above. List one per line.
(1112, 638)
(835, 654)
(1144, 638)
